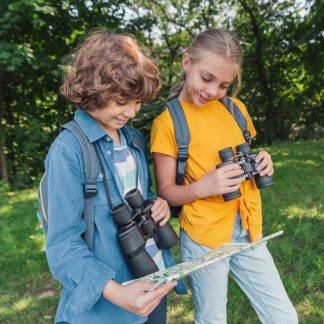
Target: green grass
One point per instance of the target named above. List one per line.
(294, 203)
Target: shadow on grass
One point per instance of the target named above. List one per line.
(293, 204)
(28, 292)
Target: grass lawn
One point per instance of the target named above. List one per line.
(294, 204)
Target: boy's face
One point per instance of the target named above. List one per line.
(207, 79)
(115, 114)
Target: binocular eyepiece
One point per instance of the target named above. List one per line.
(134, 227)
(246, 159)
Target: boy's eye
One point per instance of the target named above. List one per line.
(121, 103)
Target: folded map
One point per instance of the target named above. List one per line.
(183, 269)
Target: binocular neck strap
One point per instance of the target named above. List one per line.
(102, 170)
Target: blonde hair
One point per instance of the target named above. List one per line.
(108, 66)
(219, 42)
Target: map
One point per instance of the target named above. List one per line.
(183, 269)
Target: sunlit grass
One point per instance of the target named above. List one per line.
(28, 294)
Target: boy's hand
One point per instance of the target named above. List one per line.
(160, 211)
(136, 296)
(265, 166)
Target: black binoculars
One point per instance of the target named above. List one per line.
(134, 227)
(246, 159)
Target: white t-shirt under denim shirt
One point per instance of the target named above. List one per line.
(126, 168)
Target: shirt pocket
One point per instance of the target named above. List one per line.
(101, 196)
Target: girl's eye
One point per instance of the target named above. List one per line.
(205, 78)
(224, 87)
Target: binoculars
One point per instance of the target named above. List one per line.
(246, 159)
(134, 227)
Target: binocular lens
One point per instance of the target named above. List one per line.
(243, 148)
(226, 153)
(122, 214)
(134, 198)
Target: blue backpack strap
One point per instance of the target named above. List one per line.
(182, 136)
(238, 116)
(91, 171)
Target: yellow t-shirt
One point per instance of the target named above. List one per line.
(209, 221)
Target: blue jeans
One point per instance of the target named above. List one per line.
(254, 271)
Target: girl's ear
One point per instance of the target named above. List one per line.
(185, 62)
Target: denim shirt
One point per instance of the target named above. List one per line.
(82, 273)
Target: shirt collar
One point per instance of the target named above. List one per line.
(92, 129)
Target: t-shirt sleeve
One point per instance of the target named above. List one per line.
(162, 136)
(250, 125)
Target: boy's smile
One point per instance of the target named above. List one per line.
(115, 114)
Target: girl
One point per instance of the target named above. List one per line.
(110, 76)
(211, 64)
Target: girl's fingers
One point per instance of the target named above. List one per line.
(263, 164)
(230, 189)
(262, 155)
(233, 173)
(230, 167)
(233, 182)
(267, 171)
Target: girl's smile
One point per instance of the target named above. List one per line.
(207, 79)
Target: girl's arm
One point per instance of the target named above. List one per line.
(214, 182)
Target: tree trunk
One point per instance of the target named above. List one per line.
(3, 161)
(270, 110)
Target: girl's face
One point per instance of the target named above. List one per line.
(116, 114)
(207, 79)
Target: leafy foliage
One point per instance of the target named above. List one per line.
(282, 41)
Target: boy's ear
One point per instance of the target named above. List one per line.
(185, 62)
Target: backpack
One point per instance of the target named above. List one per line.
(90, 187)
(182, 136)
(91, 169)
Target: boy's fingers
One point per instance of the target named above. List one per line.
(142, 285)
(156, 204)
(159, 293)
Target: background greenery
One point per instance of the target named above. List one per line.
(283, 90)
(28, 294)
(283, 64)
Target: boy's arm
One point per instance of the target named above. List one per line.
(69, 258)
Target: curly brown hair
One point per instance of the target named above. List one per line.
(107, 66)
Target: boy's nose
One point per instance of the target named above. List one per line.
(130, 113)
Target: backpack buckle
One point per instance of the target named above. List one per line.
(247, 136)
(183, 153)
(90, 189)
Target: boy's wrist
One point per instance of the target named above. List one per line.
(112, 291)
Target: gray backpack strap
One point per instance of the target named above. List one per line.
(182, 136)
(91, 171)
(238, 116)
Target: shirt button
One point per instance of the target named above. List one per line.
(100, 175)
(108, 153)
(108, 139)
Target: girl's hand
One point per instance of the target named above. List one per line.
(136, 296)
(220, 181)
(265, 166)
(160, 211)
